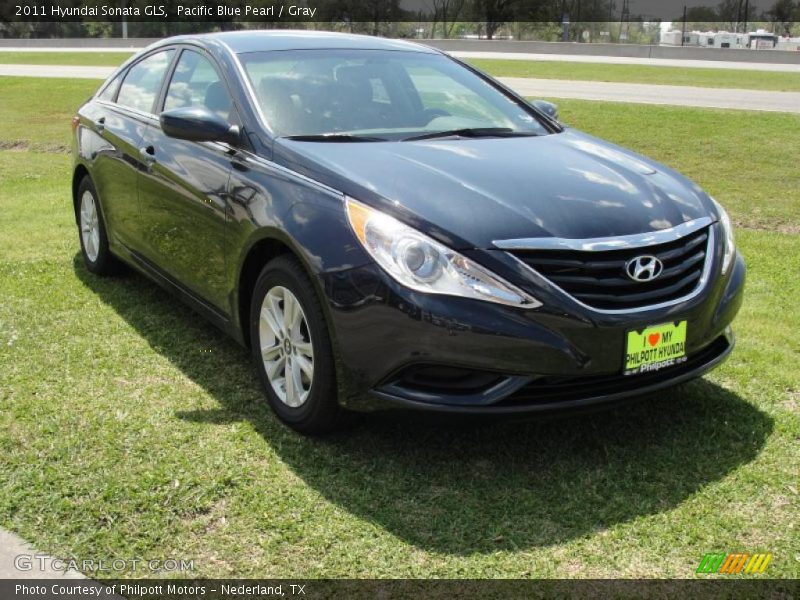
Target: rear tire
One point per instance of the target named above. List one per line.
(92, 232)
(291, 348)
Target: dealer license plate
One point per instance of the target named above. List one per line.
(655, 347)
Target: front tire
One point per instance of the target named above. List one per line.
(92, 232)
(291, 348)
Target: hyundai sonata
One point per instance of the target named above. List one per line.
(383, 225)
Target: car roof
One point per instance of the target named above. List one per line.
(298, 39)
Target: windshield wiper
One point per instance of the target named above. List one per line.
(473, 132)
(334, 137)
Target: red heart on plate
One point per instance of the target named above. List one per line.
(653, 338)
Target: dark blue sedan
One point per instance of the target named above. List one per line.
(385, 226)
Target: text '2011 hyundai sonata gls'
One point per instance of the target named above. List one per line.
(385, 226)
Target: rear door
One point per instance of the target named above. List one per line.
(119, 118)
(183, 191)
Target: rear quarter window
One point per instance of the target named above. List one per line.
(110, 90)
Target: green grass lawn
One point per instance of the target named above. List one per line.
(746, 160)
(37, 113)
(714, 78)
(129, 427)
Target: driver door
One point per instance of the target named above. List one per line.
(183, 190)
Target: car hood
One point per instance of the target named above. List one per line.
(471, 192)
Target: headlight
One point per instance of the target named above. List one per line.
(418, 262)
(727, 229)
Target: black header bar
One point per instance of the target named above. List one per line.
(226, 15)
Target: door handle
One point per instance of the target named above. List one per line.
(148, 154)
(101, 124)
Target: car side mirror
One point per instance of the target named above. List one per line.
(198, 124)
(548, 108)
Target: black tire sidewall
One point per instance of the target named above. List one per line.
(319, 413)
(105, 263)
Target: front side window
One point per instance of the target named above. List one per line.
(197, 83)
(441, 95)
(377, 93)
(143, 81)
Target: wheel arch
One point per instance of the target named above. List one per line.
(266, 247)
(78, 175)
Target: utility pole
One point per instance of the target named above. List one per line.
(624, 21)
(683, 28)
(746, 10)
(738, 16)
(124, 23)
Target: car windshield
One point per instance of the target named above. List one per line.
(379, 95)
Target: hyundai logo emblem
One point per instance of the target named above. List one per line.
(644, 268)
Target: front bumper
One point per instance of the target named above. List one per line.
(547, 394)
(558, 357)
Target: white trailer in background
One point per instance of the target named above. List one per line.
(761, 40)
(691, 38)
(706, 39)
(673, 38)
(723, 39)
(788, 43)
(670, 38)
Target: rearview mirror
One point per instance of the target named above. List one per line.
(198, 124)
(548, 108)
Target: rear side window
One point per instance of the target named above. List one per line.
(140, 86)
(196, 82)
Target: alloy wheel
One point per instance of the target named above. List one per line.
(286, 346)
(90, 227)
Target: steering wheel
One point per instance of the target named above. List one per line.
(433, 113)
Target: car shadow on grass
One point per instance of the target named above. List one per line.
(465, 486)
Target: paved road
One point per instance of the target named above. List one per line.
(657, 94)
(12, 546)
(626, 60)
(60, 71)
(550, 88)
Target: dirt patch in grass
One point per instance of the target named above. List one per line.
(15, 146)
(792, 402)
(778, 227)
(26, 146)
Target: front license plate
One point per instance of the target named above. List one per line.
(655, 347)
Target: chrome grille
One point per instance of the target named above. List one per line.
(599, 279)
